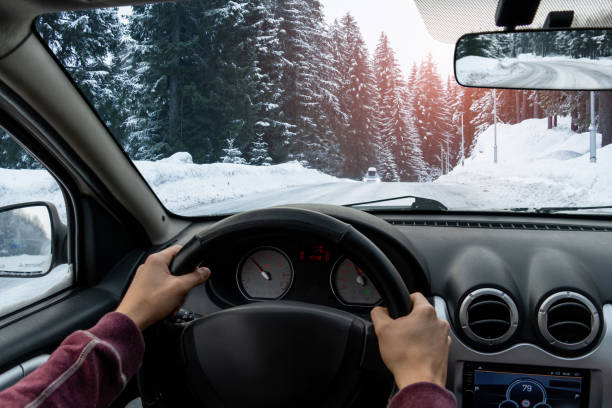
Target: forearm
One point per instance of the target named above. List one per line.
(89, 368)
(423, 395)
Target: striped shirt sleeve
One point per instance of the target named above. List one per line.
(89, 369)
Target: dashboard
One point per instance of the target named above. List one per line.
(529, 300)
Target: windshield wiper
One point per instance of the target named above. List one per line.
(551, 210)
(419, 203)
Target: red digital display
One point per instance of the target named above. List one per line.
(316, 253)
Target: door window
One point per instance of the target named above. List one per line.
(33, 233)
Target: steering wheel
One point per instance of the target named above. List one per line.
(272, 354)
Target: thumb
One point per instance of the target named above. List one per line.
(194, 278)
(380, 315)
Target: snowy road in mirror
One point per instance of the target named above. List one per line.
(536, 72)
(557, 75)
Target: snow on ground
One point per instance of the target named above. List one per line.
(536, 167)
(22, 186)
(178, 182)
(530, 71)
(20, 292)
(182, 185)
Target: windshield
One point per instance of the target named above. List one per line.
(226, 106)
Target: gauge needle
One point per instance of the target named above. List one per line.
(264, 274)
(360, 279)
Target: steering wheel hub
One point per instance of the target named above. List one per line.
(275, 354)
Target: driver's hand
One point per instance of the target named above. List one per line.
(154, 293)
(413, 347)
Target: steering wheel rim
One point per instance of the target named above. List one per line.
(360, 248)
(349, 336)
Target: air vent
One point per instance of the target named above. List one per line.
(488, 316)
(568, 320)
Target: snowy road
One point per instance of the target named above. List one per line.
(455, 196)
(555, 74)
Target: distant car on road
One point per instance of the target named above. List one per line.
(371, 176)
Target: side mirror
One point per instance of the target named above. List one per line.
(32, 239)
(568, 59)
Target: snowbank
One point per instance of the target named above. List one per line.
(536, 167)
(181, 185)
(22, 186)
(177, 181)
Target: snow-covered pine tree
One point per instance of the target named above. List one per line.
(478, 45)
(412, 78)
(268, 64)
(157, 60)
(259, 152)
(577, 103)
(483, 109)
(231, 154)
(13, 156)
(397, 133)
(551, 105)
(357, 99)
(310, 85)
(86, 43)
(430, 120)
(452, 96)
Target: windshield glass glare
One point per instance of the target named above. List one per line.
(226, 106)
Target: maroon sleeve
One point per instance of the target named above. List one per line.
(423, 395)
(89, 368)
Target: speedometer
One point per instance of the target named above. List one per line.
(265, 274)
(351, 285)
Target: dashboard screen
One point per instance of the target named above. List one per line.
(505, 386)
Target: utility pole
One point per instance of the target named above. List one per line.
(593, 130)
(462, 141)
(448, 156)
(495, 126)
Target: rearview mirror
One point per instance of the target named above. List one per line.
(554, 59)
(29, 235)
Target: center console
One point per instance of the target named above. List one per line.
(487, 385)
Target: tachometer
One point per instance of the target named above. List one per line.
(265, 274)
(351, 285)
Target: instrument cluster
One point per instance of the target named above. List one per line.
(313, 272)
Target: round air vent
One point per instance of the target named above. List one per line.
(488, 316)
(568, 320)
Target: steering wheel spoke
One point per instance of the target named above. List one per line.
(371, 361)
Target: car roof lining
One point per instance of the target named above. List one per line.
(447, 20)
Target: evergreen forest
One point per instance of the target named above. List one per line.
(268, 81)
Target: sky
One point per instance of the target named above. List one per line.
(401, 20)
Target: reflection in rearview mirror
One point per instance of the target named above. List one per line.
(558, 59)
(25, 241)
